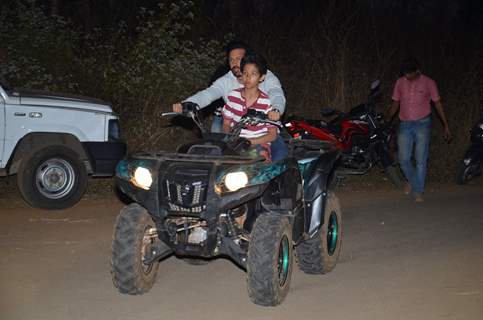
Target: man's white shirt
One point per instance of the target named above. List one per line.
(228, 82)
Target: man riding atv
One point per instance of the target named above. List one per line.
(234, 79)
(187, 203)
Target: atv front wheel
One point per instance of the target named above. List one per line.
(319, 254)
(133, 272)
(270, 255)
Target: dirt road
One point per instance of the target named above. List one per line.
(400, 260)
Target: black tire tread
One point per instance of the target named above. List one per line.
(311, 255)
(262, 279)
(126, 265)
(26, 178)
(463, 177)
(395, 175)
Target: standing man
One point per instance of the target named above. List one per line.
(232, 80)
(412, 95)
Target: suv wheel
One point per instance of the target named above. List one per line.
(52, 178)
(270, 255)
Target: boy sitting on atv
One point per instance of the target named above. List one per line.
(254, 69)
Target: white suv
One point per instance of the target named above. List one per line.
(54, 142)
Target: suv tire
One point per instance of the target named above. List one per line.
(52, 178)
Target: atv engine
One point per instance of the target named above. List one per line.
(187, 230)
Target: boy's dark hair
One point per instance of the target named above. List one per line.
(236, 44)
(257, 60)
(409, 65)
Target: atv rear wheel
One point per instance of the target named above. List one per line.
(319, 254)
(270, 255)
(133, 272)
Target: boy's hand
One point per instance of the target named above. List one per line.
(274, 115)
(177, 107)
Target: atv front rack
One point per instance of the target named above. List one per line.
(183, 157)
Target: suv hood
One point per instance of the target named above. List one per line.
(50, 99)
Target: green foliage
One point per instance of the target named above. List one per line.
(156, 58)
(142, 71)
(33, 44)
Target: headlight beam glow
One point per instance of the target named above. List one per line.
(236, 180)
(142, 178)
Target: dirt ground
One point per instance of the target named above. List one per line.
(400, 260)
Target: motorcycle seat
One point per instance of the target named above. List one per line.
(333, 126)
(317, 123)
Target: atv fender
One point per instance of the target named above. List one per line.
(315, 190)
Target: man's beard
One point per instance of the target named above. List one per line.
(236, 72)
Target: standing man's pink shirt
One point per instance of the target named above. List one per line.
(414, 97)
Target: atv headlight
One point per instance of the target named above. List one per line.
(236, 180)
(142, 178)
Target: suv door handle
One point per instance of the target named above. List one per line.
(19, 114)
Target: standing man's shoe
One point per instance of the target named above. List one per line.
(418, 198)
(407, 189)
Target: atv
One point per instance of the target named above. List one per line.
(216, 197)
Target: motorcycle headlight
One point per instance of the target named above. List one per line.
(236, 180)
(142, 178)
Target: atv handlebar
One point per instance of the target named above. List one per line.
(188, 109)
(255, 117)
(167, 114)
(252, 117)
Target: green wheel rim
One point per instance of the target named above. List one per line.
(332, 233)
(283, 261)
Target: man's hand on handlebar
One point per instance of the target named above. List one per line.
(177, 107)
(185, 107)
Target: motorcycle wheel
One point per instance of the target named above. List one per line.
(396, 176)
(466, 173)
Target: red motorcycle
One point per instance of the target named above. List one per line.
(361, 135)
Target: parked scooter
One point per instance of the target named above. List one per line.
(471, 164)
(361, 134)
